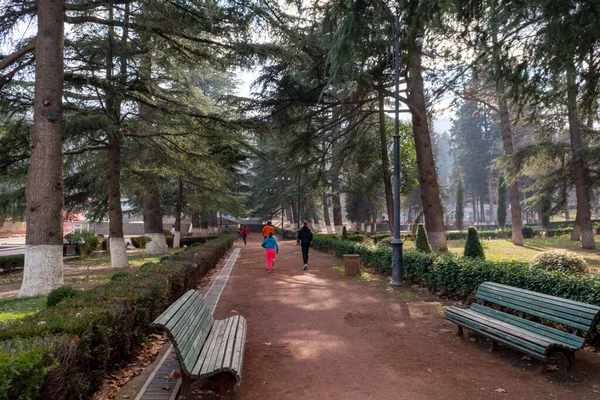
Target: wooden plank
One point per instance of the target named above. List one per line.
(191, 354)
(553, 309)
(521, 336)
(210, 360)
(502, 340)
(217, 364)
(564, 338)
(191, 325)
(185, 318)
(593, 308)
(169, 312)
(230, 346)
(532, 311)
(240, 345)
(206, 350)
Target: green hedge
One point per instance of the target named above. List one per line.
(558, 232)
(65, 351)
(506, 234)
(11, 263)
(461, 276)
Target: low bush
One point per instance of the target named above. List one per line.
(558, 232)
(528, 232)
(326, 236)
(140, 242)
(65, 351)
(344, 233)
(473, 247)
(190, 240)
(356, 237)
(461, 276)
(559, 260)
(507, 234)
(59, 294)
(378, 237)
(118, 275)
(422, 244)
(11, 263)
(87, 241)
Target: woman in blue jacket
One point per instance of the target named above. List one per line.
(271, 247)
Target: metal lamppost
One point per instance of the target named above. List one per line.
(397, 269)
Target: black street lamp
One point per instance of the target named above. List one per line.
(397, 269)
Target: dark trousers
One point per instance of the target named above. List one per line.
(305, 247)
(244, 237)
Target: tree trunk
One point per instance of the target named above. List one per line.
(43, 269)
(513, 190)
(596, 210)
(430, 194)
(195, 223)
(576, 232)
(578, 164)
(117, 245)
(326, 213)
(294, 212)
(337, 212)
(288, 213)
(385, 164)
(491, 196)
(153, 226)
(178, 210)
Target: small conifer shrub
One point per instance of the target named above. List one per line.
(473, 247)
(423, 245)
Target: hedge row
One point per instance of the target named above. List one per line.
(461, 276)
(11, 263)
(64, 351)
(558, 232)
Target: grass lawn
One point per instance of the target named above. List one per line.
(19, 308)
(504, 250)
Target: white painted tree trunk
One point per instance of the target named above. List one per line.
(158, 244)
(196, 231)
(43, 270)
(338, 229)
(177, 240)
(118, 253)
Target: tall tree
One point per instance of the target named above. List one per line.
(501, 202)
(460, 203)
(43, 269)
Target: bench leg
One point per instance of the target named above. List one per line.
(460, 332)
(493, 346)
(185, 386)
(225, 386)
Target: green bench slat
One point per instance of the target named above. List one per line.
(578, 316)
(190, 353)
(211, 359)
(511, 303)
(178, 330)
(238, 353)
(592, 309)
(562, 338)
(219, 359)
(167, 315)
(500, 339)
(227, 359)
(504, 327)
(206, 350)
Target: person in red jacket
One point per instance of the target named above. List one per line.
(245, 233)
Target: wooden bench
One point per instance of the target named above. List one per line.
(204, 347)
(521, 333)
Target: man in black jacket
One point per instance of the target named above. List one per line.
(305, 236)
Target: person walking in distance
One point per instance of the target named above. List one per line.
(271, 248)
(305, 237)
(245, 233)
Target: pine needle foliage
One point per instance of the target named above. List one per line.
(473, 247)
(423, 245)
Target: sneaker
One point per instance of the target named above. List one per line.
(269, 270)
(305, 266)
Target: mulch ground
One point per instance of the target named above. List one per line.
(317, 335)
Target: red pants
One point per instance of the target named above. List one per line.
(270, 254)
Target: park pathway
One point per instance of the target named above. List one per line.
(317, 335)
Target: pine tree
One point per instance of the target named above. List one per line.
(501, 202)
(423, 245)
(473, 246)
(344, 233)
(460, 203)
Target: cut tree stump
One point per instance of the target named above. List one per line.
(351, 264)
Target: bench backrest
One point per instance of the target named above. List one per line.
(187, 322)
(570, 313)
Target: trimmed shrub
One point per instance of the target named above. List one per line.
(558, 232)
(378, 237)
(59, 294)
(65, 351)
(190, 240)
(423, 245)
(344, 233)
(482, 235)
(356, 237)
(118, 275)
(87, 241)
(559, 260)
(473, 247)
(325, 236)
(528, 232)
(11, 263)
(140, 242)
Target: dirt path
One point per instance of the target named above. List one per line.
(317, 335)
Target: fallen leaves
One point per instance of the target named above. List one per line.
(500, 390)
(117, 379)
